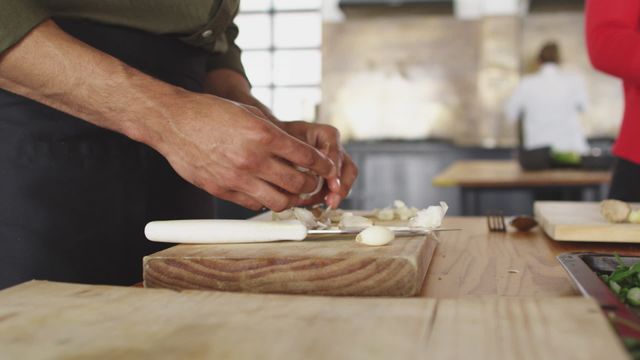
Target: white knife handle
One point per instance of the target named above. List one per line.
(224, 231)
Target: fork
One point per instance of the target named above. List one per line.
(496, 223)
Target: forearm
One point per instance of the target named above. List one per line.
(233, 86)
(60, 71)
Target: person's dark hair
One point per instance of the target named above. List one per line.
(549, 53)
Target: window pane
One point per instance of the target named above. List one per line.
(264, 94)
(297, 29)
(296, 103)
(257, 64)
(255, 5)
(255, 31)
(297, 67)
(296, 4)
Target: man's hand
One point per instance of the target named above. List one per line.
(231, 85)
(326, 138)
(231, 151)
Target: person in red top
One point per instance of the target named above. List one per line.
(613, 41)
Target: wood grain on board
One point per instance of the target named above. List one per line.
(44, 320)
(582, 221)
(318, 267)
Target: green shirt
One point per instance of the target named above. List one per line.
(207, 24)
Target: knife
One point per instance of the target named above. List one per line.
(252, 231)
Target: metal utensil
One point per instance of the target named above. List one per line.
(496, 223)
(251, 231)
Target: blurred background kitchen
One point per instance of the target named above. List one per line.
(416, 85)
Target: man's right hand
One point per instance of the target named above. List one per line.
(233, 152)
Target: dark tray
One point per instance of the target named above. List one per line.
(583, 268)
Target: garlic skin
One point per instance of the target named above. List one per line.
(350, 221)
(430, 217)
(385, 214)
(306, 217)
(375, 236)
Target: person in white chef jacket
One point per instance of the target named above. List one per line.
(550, 102)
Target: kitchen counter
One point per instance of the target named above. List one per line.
(476, 262)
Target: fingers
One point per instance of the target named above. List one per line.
(328, 139)
(241, 199)
(289, 148)
(277, 172)
(268, 195)
(349, 175)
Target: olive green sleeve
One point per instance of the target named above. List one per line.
(17, 18)
(229, 59)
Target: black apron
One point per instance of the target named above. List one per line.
(74, 198)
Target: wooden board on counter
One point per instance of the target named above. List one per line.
(44, 320)
(581, 221)
(315, 267)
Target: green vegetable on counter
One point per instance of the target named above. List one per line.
(566, 158)
(624, 281)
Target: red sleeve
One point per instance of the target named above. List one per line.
(613, 39)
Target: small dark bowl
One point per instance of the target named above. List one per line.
(535, 159)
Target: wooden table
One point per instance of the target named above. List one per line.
(490, 296)
(475, 262)
(475, 176)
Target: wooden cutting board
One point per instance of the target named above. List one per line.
(581, 221)
(314, 267)
(43, 320)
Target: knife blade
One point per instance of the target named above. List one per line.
(215, 231)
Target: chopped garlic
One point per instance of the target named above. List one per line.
(350, 221)
(430, 217)
(402, 211)
(385, 214)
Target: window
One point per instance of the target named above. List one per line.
(280, 42)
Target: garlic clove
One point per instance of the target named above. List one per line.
(375, 236)
(385, 214)
(335, 215)
(315, 191)
(398, 204)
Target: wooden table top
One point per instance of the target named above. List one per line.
(475, 262)
(48, 320)
(507, 173)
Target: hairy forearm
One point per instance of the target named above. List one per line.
(60, 71)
